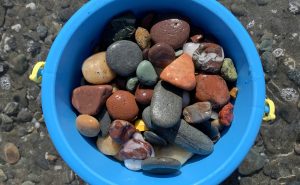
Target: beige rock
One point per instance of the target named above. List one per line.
(108, 146)
(173, 151)
(96, 71)
(10, 153)
(87, 125)
(143, 38)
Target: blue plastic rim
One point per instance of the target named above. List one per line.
(62, 74)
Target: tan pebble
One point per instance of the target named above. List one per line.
(11, 153)
(96, 71)
(108, 146)
(87, 125)
(173, 151)
(143, 38)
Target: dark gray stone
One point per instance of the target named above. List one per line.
(3, 68)
(6, 123)
(41, 162)
(188, 137)
(24, 115)
(210, 130)
(11, 108)
(19, 64)
(105, 121)
(146, 115)
(7, 3)
(2, 16)
(297, 149)
(166, 105)
(269, 62)
(34, 178)
(65, 14)
(123, 57)
(154, 139)
(252, 163)
(42, 31)
(262, 2)
(161, 165)
(266, 42)
(294, 75)
(238, 9)
(20, 97)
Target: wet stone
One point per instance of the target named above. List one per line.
(143, 95)
(228, 71)
(161, 55)
(154, 139)
(136, 149)
(161, 165)
(189, 48)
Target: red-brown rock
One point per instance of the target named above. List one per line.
(161, 55)
(122, 105)
(121, 131)
(180, 73)
(89, 99)
(226, 114)
(143, 94)
(212, 88)
(196, 38)
(135, 149)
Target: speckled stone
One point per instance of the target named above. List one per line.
(161, 165)
(228, 71)
(123, 57)
(166, 105)
(143, 38)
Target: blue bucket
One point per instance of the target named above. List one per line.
(62, 73)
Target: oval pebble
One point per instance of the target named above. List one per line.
(143, 94)
(96, 71)
(161, 165)
(189, 48)
(146, 73)
(133, 164)
(197, 113)
(146, 115)
(108, 146)
(228, 71)
(154, 139)
(161, 55)
(123, 57)
(143, 38)
(132, 83)
(11, 153)
(87, 125)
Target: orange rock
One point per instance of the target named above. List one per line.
(226, 114)
(180, 73)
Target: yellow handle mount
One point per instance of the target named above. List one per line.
(36, 74)
(269, 110)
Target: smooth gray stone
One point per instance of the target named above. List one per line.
(188, 137)
(146, 115)
(166, 105)
(105, 121)
(161, 165)
(154, 139)
(123, 57)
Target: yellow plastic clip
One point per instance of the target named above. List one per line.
(36, 72)
(270, 114)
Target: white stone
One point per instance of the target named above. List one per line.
(133, 164)
(32, 6)
(16, 27)
(189, 48)
(289, 95)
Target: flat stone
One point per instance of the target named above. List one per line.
(161, 165)
(87, 125)
(174, 152)
(188, 137)
(123, 57)
(197, 113)
(133, 164)
(122, 105)
(132, 83)
(143, 38)
(105, 121)
(89, 99)
(173, 31)
(252, 163)
(180, 73)
(10, 153)
(228, 71)
(143, 95)
(146, 74)
(154, 139)
(161, 55)
(166, 105)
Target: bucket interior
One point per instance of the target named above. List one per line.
(63, 72)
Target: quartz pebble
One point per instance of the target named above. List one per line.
(174, 152)
(89, 99)
(143, 95)
(209, 57)
(154, 139)
(133, 164)
(146, 74)
(189, 48)
(122, 105)
(197, 113)
(87, 125)
(212, 88)
(123, 57)
(161, 165)
(143, 38)
(96, 71)
(226, 114)
(121, 131)
(180, 73)
(108, 146)
(166, 105)
(161, 55)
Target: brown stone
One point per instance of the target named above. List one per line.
(197, 113)
(89, 99)
(143, 94)
(180, 73)
(87, 125)
(11, 153)
(226, 114)
(173, 31)
(196, 38)
(143, 38)
(212, 88)
(122, 105)
(161, 55)
(136, 149)
(121, 131)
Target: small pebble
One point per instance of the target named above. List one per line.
(89, 99)
(143, 95)
(161, 55)
(146, 115)
(140, 125)
(226, 115)
(136, 149)
(11, 153)
(174, 152)
(233, 92)
(154, 139)
(143, 38)
(108, 146)
(186, 99)
(121, 131)
(196, 38)
(269, 62)
(178, 53)
(3, 176)
(146, 73)
(24, 115)
(216, 123)
(161, 165)
(228, 71)
(180, 73)
(123, 57)
(238, 10)
(209, 57)
(87, 125)
(11, 108)
(166, 105)
(133, 164)
(297, 149)
(132, 83)
(122, 105)
(173, 31)
(96, 71)
(197, 113)
(189, 48)
(105, 121)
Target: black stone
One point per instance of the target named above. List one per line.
(269, 62)
(252, 163)
(294, 75)
(19, 64)
(24, 115)
(161, 165)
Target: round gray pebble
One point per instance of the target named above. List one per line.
(154, 139)
(161, 165)
(123, 57)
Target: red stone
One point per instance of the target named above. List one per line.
(121, 131)
(161, 55)
(135, 149)
(226, 114)
(180, 73)
(196, 38)
(143, 95)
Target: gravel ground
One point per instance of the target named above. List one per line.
(27, 29)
